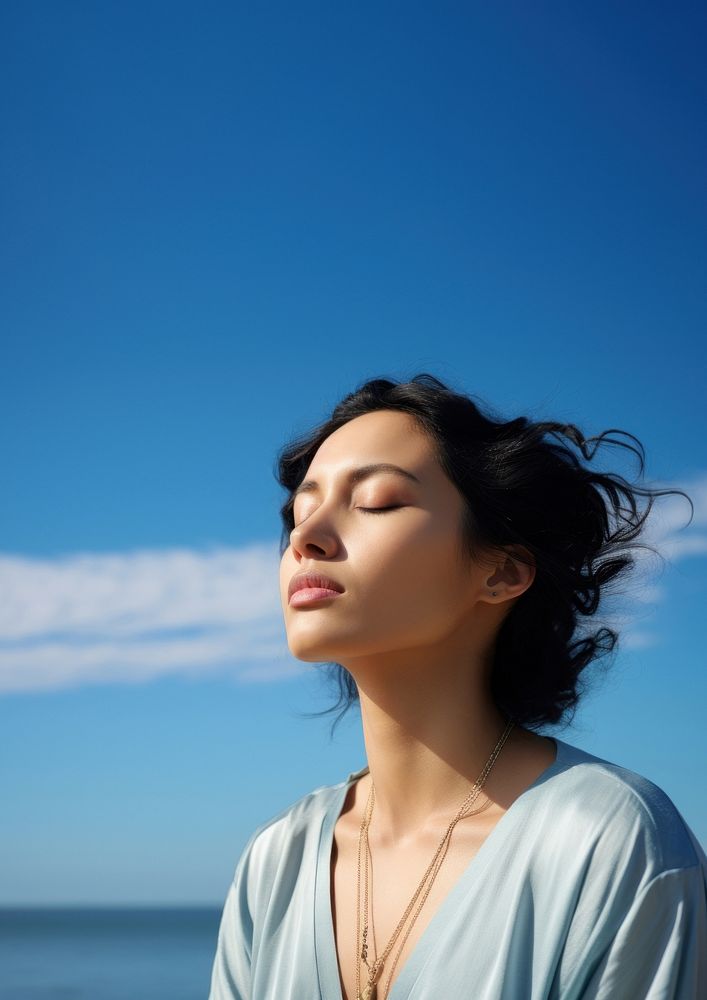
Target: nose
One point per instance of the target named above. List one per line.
(313, 537)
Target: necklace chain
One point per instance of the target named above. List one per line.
(369, 991)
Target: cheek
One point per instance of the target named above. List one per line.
(413, 569)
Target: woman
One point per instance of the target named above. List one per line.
(442, 560)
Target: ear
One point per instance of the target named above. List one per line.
(513, 575)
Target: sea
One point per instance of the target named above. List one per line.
(107, 953)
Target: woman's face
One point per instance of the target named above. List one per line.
(404, 582)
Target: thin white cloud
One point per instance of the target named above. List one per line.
(640, 639)
(668, 533)
(135, 616)
(666, 528)
(130, 593)
(131, 617)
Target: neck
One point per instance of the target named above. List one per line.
(429, 726)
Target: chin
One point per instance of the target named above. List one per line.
(310, 650)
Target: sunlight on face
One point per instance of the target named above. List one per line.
(404, 582)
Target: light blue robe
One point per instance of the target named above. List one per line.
(591, 885)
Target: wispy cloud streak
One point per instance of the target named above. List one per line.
(667, 532)
(135, 616)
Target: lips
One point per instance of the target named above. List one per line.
(301, 581)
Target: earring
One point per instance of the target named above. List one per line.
(494, 594)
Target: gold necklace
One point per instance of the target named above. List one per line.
(370, 989)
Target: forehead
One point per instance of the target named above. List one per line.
(379, 436)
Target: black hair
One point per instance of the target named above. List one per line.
(524, 485)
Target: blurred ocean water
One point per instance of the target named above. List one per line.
(107, 953)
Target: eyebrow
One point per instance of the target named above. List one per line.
(357, 475)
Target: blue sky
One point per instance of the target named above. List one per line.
(217, 221)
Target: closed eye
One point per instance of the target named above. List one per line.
(379, 510)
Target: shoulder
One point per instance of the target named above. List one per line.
(621, 875)
(617, 814)
(288, 842)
